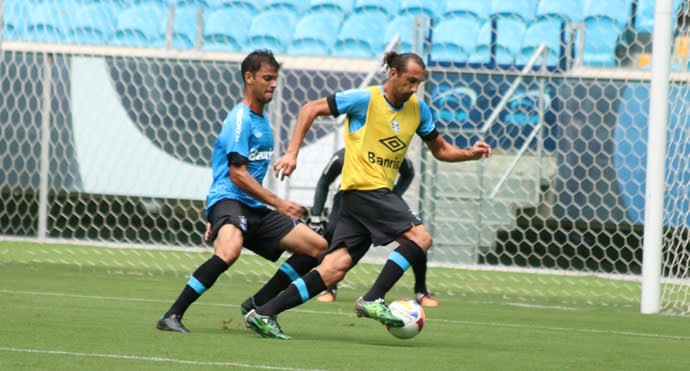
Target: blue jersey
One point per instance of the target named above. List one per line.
(244, 134)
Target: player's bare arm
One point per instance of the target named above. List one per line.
(307, 114)
(241, 177)
(445, 151)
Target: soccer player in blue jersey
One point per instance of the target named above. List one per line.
(236, 206)
(380, 124)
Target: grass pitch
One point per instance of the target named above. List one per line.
(73, 315)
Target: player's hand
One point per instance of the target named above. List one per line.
(480, 149)
(285, 165)
(290, 208)
(317, 224)
(207, 234)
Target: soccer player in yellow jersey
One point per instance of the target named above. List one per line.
(381, 121)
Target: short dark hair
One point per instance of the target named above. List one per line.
(399, 61)
(253, 61)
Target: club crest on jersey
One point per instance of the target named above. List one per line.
(395, 126)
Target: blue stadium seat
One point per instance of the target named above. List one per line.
(221, 35)
(420, 8)
(343, 6)
(141, 26)
(524, 9)
(644, 16)
(361, 35)
(46, 22)
(91, 24)
(185, 27)
(569, 10)
(448, 44)
(205, 4)
(315, 32)
(509, 35)
(478, 9)
(544, 30)
(297, 6)
(403, 26)
(252, 5)
(601, 37)
(387, 7)
(272, 29)
(15, 14)
(617, 10)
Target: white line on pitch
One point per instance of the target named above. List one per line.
(460, 322)
(151, 359)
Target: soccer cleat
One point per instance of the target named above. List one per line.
(377, 310)
(328, 296)
(265, 326)
(426, 300)
(171, 323)
(247, 306)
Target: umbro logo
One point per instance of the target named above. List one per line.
(394, 144)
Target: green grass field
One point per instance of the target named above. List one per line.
(72, 313)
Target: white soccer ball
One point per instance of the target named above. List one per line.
(412, 315)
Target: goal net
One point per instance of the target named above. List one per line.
(110, 146)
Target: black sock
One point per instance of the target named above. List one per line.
(293, 268)
(297, 293)
(419, 269)
(398, 262)
(201, 280)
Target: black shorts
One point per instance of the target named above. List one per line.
(378, 216)
(262, 228)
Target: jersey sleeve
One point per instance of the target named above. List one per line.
(235, 137)
(427, 128)
(353, 102)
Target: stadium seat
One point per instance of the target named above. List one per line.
(420, 8)
(387, 7)
(221, 35)
(617, 10)
(15, 14)
(544, 30)
(477, 9)
(91, 24)
(568, 10)
(448, 44)
(404, 27)
(343, 6)
(252, 5)
(361, 35)
(297, 6)
(272, 29)
(140, 26)
(524, 9)
(315, 33)
(205, 4)
(509, 34)
(644, 16)
(46, 22)
(185, 27)
(601, 37)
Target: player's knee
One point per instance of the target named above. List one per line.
(227, 252)
(318, 246)
(423, 240)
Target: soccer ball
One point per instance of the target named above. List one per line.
(412, 315)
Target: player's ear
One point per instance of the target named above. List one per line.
(249, 77)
